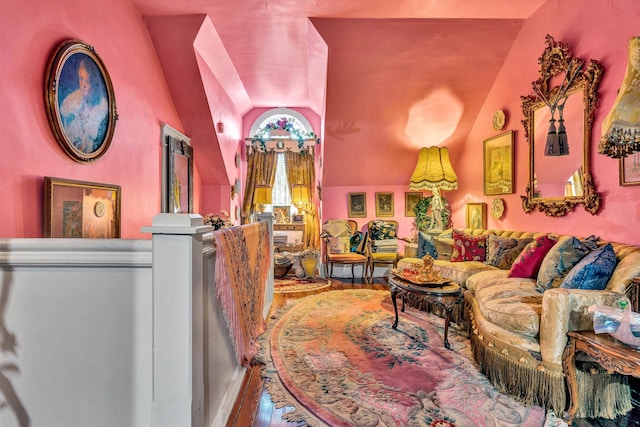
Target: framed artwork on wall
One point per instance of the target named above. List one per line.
(297, 218)
(177, 172)
(80, 102)
(630, 169)
(498, 164)
(81, 209)
(282, 214)
(357, 205)
(384, 204)
(411, 199)
(476, 215)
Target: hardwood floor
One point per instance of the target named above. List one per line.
(253, 406)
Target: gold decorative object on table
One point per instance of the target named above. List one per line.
(421, 274)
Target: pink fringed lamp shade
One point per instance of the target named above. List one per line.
(433, 171)
(621, 127)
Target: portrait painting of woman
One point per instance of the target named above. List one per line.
(81, 103)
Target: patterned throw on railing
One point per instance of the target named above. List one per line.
(242, 267)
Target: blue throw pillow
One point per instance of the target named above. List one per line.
(426, 245)
(593, 271)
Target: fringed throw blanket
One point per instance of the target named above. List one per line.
(242, 266)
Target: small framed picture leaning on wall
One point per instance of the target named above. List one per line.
(81, 209)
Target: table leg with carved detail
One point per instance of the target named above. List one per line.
(448, 307)
(609, 353)
(394, 294)
(569, 366)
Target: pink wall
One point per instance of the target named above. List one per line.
(600, 31)
(30, 30)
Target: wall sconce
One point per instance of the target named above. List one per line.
(220, 127)
(621, 127)
(557, 142)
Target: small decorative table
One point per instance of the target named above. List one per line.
(608, 352)
(448, 294)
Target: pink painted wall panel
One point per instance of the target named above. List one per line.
(600, 31)
(30, 30)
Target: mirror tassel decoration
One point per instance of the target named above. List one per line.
(551, 147)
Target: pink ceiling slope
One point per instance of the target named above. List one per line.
(400, 74)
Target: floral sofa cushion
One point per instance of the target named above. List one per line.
(468, 248)
(560, 260)
(593, 271)
(502, 251)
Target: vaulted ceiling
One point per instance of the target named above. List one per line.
(386, 77)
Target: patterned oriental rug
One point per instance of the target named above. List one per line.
(335, 358)
(294, 287)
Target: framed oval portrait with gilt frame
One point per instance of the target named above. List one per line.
(80, 102)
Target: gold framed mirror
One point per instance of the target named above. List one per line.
(561, 111)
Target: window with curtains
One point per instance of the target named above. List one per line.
(280, 193)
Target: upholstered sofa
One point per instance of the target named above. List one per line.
(518, 325)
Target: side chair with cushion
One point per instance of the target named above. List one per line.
(343, 244)
(383, 245)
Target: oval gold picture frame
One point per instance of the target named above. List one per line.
(80, 102)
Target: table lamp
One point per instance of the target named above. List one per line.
(621, 127)
(300, 195)
(434, 172)
(261, 196)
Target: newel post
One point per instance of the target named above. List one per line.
(178, 389)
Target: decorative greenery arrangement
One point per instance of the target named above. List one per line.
(260, 138)
(218, 221)
(423, 217)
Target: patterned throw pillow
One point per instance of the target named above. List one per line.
(426, 245)
(381, 230)
(561, 259)
(528, 262)
(339, 245)
(593, 271)
(502, 251)
(468, 248)
(444, 247)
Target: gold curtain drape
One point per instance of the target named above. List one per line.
(261, 169)
(301, 170)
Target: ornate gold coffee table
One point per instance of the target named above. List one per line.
(448, 295)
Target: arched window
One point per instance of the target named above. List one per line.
(271, 127)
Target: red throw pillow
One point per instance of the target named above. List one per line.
(528, 262)
(468, 248)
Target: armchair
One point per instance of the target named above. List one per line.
(339, 239)
(383, 245)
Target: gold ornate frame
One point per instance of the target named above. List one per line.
(83, 122)
(384, 205)
(476, 215)
(555, 60)
(357, 205)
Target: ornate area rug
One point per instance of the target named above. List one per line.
(335, 358)
(292, 286)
